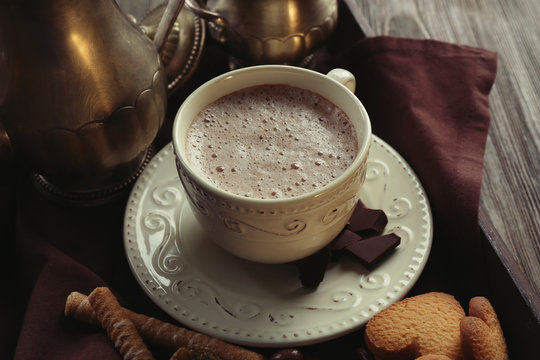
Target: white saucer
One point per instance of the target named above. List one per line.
(213, 292)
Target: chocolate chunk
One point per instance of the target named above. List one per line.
(313, 267)
(367, 222)
(344, 239)
(371, 250)
(361, 237)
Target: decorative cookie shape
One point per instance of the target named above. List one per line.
(427, 324)
(481, 334)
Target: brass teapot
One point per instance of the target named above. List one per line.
(269, 31)
(82, 94)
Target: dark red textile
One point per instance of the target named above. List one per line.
(428, 99)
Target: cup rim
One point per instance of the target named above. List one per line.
(363, 148)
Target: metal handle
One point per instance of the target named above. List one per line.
(167, 21)
(208, 15)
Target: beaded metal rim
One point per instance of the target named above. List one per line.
(195, 46)
(91, 198)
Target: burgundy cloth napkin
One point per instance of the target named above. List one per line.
(427, 99)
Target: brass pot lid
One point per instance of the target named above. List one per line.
(184, 44)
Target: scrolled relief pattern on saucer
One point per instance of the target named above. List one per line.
(167, 193)
(376, 168)
(398, 208)
(377, 173)
(282, 317)
(166, 256)
(159, 224)
(374, 280)
(247, 310)
(204, 293)
(346, 299)
(337, 300)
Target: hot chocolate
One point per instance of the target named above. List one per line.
(271, 141)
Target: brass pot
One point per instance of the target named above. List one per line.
(269, 31)
(82, 94)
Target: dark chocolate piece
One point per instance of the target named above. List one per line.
(313, 267)
(344, 239)
(367, 222)
(371, 250)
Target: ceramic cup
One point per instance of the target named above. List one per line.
(274, 230)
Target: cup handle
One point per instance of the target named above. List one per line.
(343, 77)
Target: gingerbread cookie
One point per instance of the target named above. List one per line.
(481, 333)
(433, 357)
(427, 324)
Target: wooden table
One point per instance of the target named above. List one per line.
(510, 196)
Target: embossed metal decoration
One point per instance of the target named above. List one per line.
(269, 31)
(85, 97)
(182, 48)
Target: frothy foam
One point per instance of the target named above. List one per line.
(271, 141)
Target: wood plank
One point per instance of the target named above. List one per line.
(510, 196)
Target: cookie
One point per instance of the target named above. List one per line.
(481, 333)
(427, 324)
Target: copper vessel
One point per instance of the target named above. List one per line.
(269, 31)
(82, 94)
